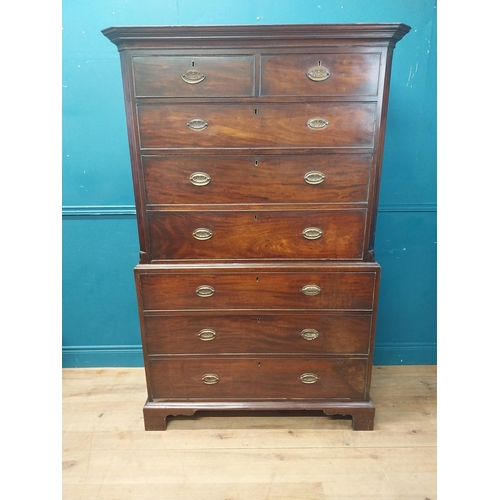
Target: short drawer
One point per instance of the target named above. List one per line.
(315, 74)
(262, 289)
(257, 377)
(194, 76)
(216, 179)
(248, 234)
(208, 333)
(264, 125)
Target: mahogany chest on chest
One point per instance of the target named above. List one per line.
(256, 157)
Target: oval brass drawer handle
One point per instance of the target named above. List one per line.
(309, 334)
(318, 73)
(199, 179)
(197, 124)
(309, 378)
(312, 233)
(212, 378)
(193, 76)
(311, 290)
(317, 123)
(314, 177)
(202, 233)
(207, 334)
(205, 291)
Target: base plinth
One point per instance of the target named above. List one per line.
(156, 413)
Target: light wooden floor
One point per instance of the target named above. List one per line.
(107, 454)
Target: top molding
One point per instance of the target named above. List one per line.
(126, 37)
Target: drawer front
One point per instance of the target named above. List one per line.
(257, 290)
(206, 333)
(320, 74)
(198, 76)
(270, 125)
(215, 179)
(334, 234)
(257, 377)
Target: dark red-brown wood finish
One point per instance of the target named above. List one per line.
(256, 158)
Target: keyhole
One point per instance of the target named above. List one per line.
(192, 64)
(258, 364)
(256, 279)
(256, 163)
(255, 218)
(258, 320)
(319, 62)
(255, 111)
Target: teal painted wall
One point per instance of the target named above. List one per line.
(100, 244)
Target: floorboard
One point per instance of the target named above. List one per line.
(107, 455)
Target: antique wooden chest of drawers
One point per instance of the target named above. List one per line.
(256, 157)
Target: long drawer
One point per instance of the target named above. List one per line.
(217, 179)
(259, 332)
(227, 377)
(192, 288)
(248, 234)
(264, 125)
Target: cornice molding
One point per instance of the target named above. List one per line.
(137, 36)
